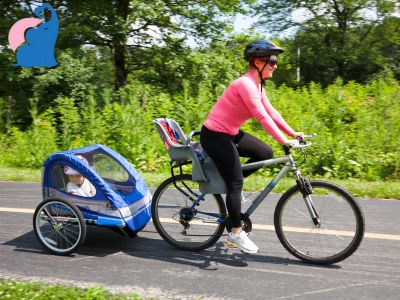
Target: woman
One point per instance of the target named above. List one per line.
(225, 143)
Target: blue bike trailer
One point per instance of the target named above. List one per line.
(121, 196)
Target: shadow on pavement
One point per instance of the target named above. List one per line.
(102, 242)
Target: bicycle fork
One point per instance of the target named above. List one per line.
(306, 190)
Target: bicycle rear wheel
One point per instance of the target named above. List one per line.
(336, 237)
(59, 226)
(180, 226)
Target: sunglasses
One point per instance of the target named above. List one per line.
(272, 60)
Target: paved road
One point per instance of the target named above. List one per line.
(149, 266)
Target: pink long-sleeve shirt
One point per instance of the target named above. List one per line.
(243, 100)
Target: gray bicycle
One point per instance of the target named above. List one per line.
(316, 221)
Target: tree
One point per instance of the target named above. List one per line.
(131, 35)
(337, 37)
(211, 67)
(126, 27)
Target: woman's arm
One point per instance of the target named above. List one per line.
(276, 116)
(251, 98)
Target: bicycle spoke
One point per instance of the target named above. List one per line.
(325, 243)
(58, 226)
(177, 223)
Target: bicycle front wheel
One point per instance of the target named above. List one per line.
(179, 225)
(338, 233)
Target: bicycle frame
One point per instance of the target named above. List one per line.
(290, 165)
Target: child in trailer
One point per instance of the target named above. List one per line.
(79, 185)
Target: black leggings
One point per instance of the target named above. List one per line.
(225, 150)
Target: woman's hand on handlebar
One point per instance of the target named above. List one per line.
(291, 143)
(298, 135)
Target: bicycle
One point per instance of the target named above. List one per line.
(317, 221)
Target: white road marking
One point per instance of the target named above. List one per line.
(17, 210)
(368, 235)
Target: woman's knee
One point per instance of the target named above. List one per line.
(263, 153)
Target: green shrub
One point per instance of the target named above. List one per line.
(18, 290)
(358, 126)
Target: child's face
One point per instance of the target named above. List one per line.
(76, 179)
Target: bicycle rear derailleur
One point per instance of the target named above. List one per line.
(185, 216)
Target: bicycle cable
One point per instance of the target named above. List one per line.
(305, 153)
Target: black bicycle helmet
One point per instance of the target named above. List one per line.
(260, 49)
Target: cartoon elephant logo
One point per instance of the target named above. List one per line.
(34, 39)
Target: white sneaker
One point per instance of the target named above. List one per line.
(242, 241)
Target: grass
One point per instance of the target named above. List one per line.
(19, 174)
(10, 289)
(359, 188)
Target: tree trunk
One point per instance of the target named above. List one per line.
(10, 113)
(120, 71)
(119, 48)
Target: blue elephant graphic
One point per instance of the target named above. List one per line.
(38, 49)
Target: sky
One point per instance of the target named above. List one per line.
(243, 23)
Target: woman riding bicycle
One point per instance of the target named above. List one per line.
(224, 142)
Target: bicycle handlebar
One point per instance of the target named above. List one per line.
(302, 146)
(306, 136)
(310, 136)
(302, 143)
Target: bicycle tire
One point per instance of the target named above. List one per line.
(289, 236)
(162, 225)
(50, 244)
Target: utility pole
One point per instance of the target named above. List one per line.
(298, 64)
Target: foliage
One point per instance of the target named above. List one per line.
(10, 289)
(126, 27)
(214, 67)
(27, 149)
(350, 39)
(75, 104)
(357, 125)
(76, 73)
